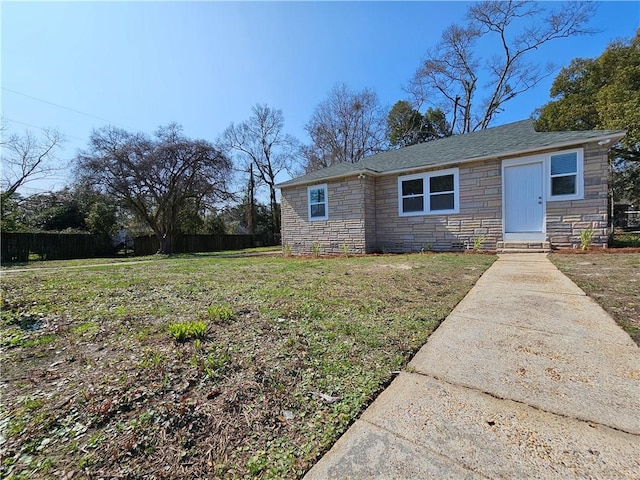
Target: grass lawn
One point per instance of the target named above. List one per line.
(612, 279)
(207, 366)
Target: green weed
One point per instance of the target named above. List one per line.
(32, 403)
(89, 326)
(220, 312)
(586, 237)
(151, 358)
(215, 363)
(426, 247)
(13, 339)
(121, 310)
(183, 331)
(478, 242)
(95, 440)
(86, 461)
(38, 341)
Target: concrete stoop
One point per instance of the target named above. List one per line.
(523, 247)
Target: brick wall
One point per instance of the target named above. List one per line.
(565, 220)
(480, 214)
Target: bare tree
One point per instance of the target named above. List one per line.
(346, 127)
(453, 76)
(27, 157)
(260, 141)
(157, 179)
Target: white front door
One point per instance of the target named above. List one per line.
(524, 201)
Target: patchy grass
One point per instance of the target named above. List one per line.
(93, 386)
(37, 263)
(79, 263)
(613, 280)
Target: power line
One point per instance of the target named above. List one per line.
(42, 128)
(66, 108)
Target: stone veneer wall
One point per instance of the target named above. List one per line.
(565, 220)
(363, 213)
(371, 230)
(349, 209)
(480, 214)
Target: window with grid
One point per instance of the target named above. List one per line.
(318, 202)
(429, 193)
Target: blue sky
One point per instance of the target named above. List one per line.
(139, 65)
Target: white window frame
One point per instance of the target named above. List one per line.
(325, 203)
(579, 194)
(427, 193)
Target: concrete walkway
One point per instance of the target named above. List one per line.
(527, 378)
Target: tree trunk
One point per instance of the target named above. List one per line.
(166, 242)
(251, 203)
(275, 224)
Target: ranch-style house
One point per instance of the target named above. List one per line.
(507, 187)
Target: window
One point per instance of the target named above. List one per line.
(413, 195)
(429, 193)
(441, 192)
(318, 202)
(565, 176)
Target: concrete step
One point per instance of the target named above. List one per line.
(522, 246)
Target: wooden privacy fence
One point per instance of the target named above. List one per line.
(148, 244)
(16, 247)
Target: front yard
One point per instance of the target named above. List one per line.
(275, 357)
(611, 279)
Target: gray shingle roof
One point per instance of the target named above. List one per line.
(497, 142)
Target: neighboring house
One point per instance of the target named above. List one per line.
(502, 187)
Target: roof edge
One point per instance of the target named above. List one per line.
(361, 171)
(613, 136)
